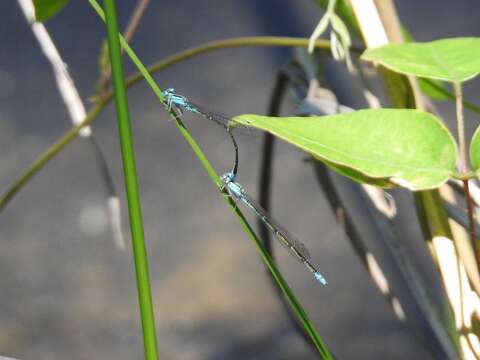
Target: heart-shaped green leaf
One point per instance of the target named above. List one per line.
(455, 60)
(45, 9)
(410, 148)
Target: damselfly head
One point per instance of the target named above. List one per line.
(227, 177)
(168, 92)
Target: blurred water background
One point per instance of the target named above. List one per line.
(67, 293)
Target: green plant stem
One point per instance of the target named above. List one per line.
(463, 166)
(323, 350)
(131, 186)
(231, 43)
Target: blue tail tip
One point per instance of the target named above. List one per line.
(320, 278)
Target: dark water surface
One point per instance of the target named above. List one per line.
(67, 293)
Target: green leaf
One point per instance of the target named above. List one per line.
(455, 60)
(45, 9)
(475, 151)
(409, 148)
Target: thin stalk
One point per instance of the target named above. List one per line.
(207, 47)
(309, 327)
(276, 41)
(463, 166)
(131, 186)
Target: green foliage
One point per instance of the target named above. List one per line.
(454, 60)
(410, 148)
(475, 151)
(45, 9)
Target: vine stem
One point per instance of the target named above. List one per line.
(463, 168)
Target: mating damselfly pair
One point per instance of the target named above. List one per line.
(237, 192)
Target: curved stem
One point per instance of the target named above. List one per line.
(276, 41)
